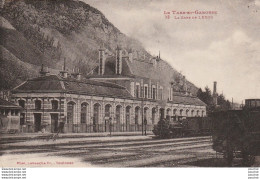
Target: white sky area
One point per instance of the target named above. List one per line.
(225, 49)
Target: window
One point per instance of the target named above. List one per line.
(54, 104)
(181, 112)
(136, 115)
(174, 111)
(137, 90)
(70, 112)
(141, 92)
(38, 104)
(198, 113)
(12, 112)
(161, 93)
(187, 112)
(145, 92)
(154, 93)
(22, 119)
(153, 115)
(83, 114)
(108, 110)
(21, 103)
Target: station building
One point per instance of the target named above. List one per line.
(9, 117)
(122, 91)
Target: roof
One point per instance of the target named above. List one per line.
(187, 100)
(134, 68)
(55, 83)
(7, 104)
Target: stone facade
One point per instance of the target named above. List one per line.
(96, 119)
(119, 97)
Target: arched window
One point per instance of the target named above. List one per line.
(181, 112)
(127, 117)
(137, 111)
(118, 117)
(174, 111)
(161, 113)
(192, 113)
(38, 104)
(108, 110)
(153, 115)
(145, 113)
(198, 113)
(83, 114)
(168, 116)
(187, 112)
(96, 117)
(70, 112)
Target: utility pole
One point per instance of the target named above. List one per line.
(142, 116)
(142, 106)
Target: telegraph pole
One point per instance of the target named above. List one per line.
(142, 116)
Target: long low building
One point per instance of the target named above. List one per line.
(120, 100)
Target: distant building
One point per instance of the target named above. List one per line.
(9, 117)
(124, 90)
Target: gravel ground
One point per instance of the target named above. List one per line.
(120, 151)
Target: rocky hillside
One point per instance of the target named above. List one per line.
(45, 32)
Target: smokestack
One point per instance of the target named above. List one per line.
(184, 84)
(215, 95)
(63, 72)
(44, 71)
(215, 88)
(130, 55)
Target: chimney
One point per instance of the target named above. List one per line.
(215, 87)
(44, 71)
(130, 55)
(215, 95)
(154, 61)
(185, 85)
(118, 60)
(102, 60)
(63, 72)
(76, 75)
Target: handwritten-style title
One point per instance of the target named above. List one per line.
(196, 14)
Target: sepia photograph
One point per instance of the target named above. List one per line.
(129, 84)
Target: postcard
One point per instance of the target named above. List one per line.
(127, 84)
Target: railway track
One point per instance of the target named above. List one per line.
(118, 153)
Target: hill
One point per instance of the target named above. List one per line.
(47, 31)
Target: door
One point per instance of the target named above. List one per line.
(37, 122)
(54, 123)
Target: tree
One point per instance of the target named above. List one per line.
(207, 98)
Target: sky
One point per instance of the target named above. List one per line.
(225, 48)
